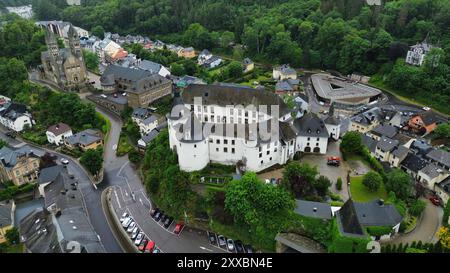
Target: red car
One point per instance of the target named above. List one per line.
(436, 201)
(178, 228)
(149, 247)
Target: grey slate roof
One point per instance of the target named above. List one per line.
(232, 95)
(13, 110)
(310, 125)
(431, 170)
(150, 120)
(347, 220)
(283, 86)
(369, 142)
(85, 137)
(440, 156)
(150, 66)
(140, 113)
(49, 174)
(10, 156)
(387, 144)
(400, 152)
(130, 74)
(313, 209)
(385, 130)
(428, 117)
(374, 214)
(150, 136)
(5, 214)
(413, 163)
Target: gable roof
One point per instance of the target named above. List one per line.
(310, 125)
(428, 117)
(12, 111)
(59, 129)
(140, 113)
(49, 174)
(387, 144)
(385, 130)
(440, 156)
(377, 213)
(224, 95)
(10, 156)
(150, 66)
(347, 220)
(85, 137)
(413, 163)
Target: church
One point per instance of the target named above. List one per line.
(64, 66)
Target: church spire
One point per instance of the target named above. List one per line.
(52, 43)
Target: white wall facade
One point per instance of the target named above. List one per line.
(17, 125)
(59, 139)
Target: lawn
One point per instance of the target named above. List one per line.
(359, 192)
(124, 145)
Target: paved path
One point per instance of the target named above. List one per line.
(425, 231)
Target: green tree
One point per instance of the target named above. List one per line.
(299, 178)
(234, 70)
(372, 181)
(442, 131)
(12, 235)
(226, 39)
(321, 185)
(91, 60)
(417, 208)
(400, 183)
(177, 69)
(339, 184)
(351, 143)
(98, 31)
(3, 143)
(92, 160)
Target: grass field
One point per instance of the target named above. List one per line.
(359, 192)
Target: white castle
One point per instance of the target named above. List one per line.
(237, 125)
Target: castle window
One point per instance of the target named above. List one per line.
(232, 150)
(225, 150)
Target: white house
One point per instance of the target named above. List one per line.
(15, 116)
(203, 56)
(57, 133)
(212, 62)
(217, 123)
(416, 54)
(432, 175)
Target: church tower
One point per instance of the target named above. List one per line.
(74, 42)
(52, 44)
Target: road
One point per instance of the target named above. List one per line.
(90, 194)
(120, 174)
(426, 229)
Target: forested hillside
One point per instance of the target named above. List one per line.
(344, 35)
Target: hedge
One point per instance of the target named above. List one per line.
(378, 231)
(344, 244)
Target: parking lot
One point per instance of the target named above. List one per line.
(228, 244)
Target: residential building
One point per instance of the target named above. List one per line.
(146, 139)
(187, 52)
(383, 130)
(412, 164)
(424, 122)
(442, 190)
(26, 12)
(15, 116)
(231, 135)
(152, 67)
(19, 165)
(284, 72)
(248, 65)
(141, 87)
(203, 56)
(187, 80)
(354, 218)
(85, 140)
(313, 209)
(431, 175)
(333, 124)
(73, 2)
(65, 67)
(440, 157)
(6, 219)
(417, 53)
(47, 176)
(62, 221)
(57, 133)
(384, 148)
(366, 121)
(287, 86)
(212, 62)
(115, 102)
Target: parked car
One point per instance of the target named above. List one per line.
(153, 212)
(178, 228)
(239, 247)
(149, 247)
(64, 161)
(222, 241)
(248, 248)
(333, 161)
(168, 222)
(134, 233)
(212, 238)
(142, 245)
(131, 226)
(139, 238)
(230, 245)
(158, 216)
(126, 222)
(436, 201)
(123, 217)
(163, 217)
(10, 134)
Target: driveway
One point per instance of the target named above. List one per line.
(320, 161)
(426, 229)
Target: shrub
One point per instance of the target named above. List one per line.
(417, 208)
(339, 184)
(372, 181)
(378, 231)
